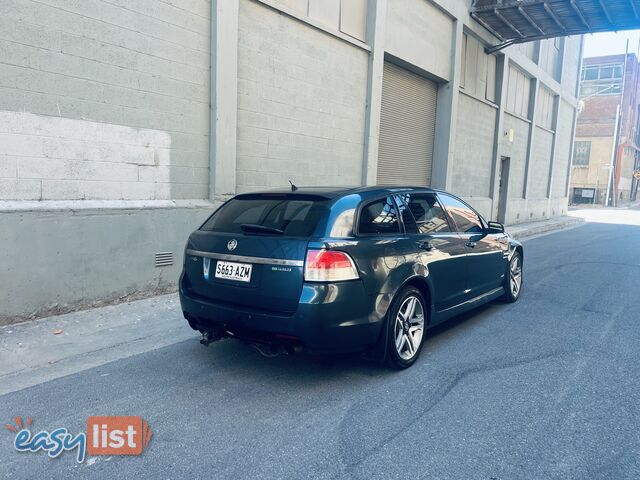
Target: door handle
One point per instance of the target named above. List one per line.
(426, 245)
(471, 244)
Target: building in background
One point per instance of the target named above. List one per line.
(123, 125)
(607, 133)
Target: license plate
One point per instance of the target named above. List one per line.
(240, 272)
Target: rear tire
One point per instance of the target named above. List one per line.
(513, 279)
(406, 327)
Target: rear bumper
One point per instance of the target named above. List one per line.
(336, 317)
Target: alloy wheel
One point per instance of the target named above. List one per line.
(515, 275)
(409, 328)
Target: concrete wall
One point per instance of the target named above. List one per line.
(563, 152)
(550, 56)
(301, 103)
(69, 258)
(571, 67)
(104, 121)
(134, 77)
(532, 83)
(530, 50)
(407, 38)
(539, 178)
(346, 16)
(516, 150)
(134, 105)
(54, 158)
(473, 159)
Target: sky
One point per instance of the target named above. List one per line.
(611, 43)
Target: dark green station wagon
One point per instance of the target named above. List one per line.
(328, 270)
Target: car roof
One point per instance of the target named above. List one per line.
(336, 192)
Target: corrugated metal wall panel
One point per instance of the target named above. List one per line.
(407, 128)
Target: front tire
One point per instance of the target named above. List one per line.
(513, 281)
(407, 321)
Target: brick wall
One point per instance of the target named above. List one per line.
(598, 117)
(301, 103)
(104, 99)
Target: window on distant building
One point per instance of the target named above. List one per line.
(582, 153)
(602, 79)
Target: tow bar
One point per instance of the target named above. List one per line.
(266, 348)
(210, 336)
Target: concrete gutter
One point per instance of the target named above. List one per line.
(41, 350)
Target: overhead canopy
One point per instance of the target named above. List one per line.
(518, 21)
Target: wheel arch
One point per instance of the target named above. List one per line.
(515, 246)
(423, 284)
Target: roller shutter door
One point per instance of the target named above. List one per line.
(407, 128)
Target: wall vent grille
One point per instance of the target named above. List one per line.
(164, 259)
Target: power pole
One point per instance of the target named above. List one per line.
(614, 153)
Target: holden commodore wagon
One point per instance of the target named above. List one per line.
(343, 269)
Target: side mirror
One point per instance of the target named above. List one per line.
(495, 228)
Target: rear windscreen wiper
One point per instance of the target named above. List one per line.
(253, 228)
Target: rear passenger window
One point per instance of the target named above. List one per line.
(466, 220)
(422, 213)
(379, 217)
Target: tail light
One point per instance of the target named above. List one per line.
(329, 266)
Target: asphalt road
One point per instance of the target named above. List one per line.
(546, 388)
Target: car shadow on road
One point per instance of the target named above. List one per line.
(462, 320)
(231, 356)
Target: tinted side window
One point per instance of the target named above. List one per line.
(379, 217)
(466, 220)
(422, 213)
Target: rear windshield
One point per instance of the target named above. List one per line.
(294, 217)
